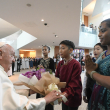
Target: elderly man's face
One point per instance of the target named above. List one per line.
(8, 57)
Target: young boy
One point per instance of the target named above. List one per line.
(69, 71)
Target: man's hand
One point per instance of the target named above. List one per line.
(52, 96)
(90, 65)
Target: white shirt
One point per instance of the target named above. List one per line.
(23, 63)
(84, 84)
(54, 59)
(26, 63)
(10, 100)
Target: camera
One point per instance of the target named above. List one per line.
(45, 24)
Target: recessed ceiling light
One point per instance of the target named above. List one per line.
(29, 5)
(42, 19)
(56, 36)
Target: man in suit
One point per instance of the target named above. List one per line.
(18, 64)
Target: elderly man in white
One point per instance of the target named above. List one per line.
(9, 99)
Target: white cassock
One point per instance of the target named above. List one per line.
(15, 68)
(84, 84)
(23, 63)
(9, 73)
(26, 63)
(10, 100)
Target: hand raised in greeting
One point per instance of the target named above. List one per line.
(90, 65)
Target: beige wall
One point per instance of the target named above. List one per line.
(27, 53)
(56, 51)
(38, 53)
(96, 20)
(82, 18)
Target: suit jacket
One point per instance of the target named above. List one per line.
(19, 61)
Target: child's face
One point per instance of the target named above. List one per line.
(104, 34)
(45, 51)
(97, 51)
(64, 51)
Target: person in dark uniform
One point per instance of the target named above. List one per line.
(35, 63)
(13, 64)
(18, 64)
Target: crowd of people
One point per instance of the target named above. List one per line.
(93, 29)
(96, 87)
(27, 62)
(23, 63)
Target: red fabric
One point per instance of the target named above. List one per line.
(70, 74)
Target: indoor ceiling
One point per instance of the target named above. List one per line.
(95, 7)
(88, 10)
(62, 18)
(6, 28)
(101, 6)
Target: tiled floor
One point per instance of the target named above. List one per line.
(14, 79)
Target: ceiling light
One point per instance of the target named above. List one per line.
(42, 19)
(56, 36)
(29, 5)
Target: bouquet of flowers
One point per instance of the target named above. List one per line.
(31, 77)
(41, 82)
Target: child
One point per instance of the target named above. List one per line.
(69, 71)
(47, 63)
(88, 81)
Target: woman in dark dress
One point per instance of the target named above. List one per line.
(47, 63)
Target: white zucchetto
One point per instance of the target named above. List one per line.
(2, 44)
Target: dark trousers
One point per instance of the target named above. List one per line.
(47, 107)
(65, 107)
(18, 67)
(55, 65)
(88, 93)
(13, 68)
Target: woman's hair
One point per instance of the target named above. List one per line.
(102, 46)
(107, 22)
(46, 46)
(68, 43)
